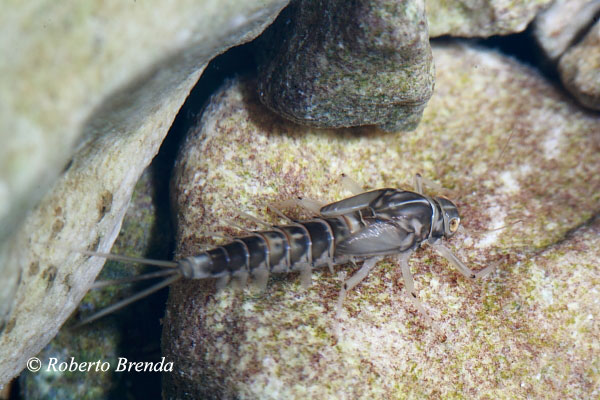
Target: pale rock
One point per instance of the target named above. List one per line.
(91, 88)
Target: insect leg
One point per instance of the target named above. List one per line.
(351, 185)
(260, 277)
(255, 219)
(305, 275)
(277, 211)
(239, 280)
(222, 282)
(216, 235)
(418, 182)
(459, 265)
(409, 284)
(313, 206)
(355, 280)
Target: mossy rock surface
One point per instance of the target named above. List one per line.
(334, 64)
(510, 149)
(481, 18)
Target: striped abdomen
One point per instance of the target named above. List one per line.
(305, 244)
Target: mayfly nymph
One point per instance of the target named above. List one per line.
(364, 228)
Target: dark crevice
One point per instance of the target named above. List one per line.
(140, 322)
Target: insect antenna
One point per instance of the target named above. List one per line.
(125, 302)
(480, 231)
(499, 157)
(491, 167)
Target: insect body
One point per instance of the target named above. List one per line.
(365, 227)
(376, 223)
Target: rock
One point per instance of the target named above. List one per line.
(128, 333)
(579, 69)
(329, 65)
(557, 27)
(480, 18)
(91, 90)
(569, 37)
(508, 159)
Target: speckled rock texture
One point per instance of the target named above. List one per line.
(480, 18)
(145, 231)
(579, 69)
(90, 89)
(333, 64)
(557, 27)
(507, 146)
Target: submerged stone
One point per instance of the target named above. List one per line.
(332, 64)
(559, 26)
(579, 69)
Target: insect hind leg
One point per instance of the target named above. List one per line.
(310, 205)
(353, 281)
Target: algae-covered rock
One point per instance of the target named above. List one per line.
(91, 89)
(480, 18)
(579, 69)
(333, 64)
(520, 160)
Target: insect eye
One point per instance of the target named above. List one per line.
(454, 222)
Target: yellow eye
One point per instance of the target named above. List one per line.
(454, 223)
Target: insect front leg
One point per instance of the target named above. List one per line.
(353, 281)
(459, 265)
